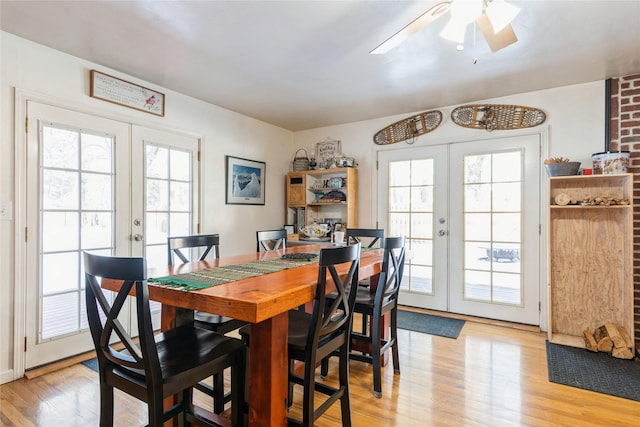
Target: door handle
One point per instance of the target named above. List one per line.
(442, 233)
(138, 237)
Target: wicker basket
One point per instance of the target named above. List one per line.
(300, 163)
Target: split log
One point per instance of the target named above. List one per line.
(589, 341)
(600, 333)
(622, 353)
(626, 337)
(616, 338)
(610, 339)
(605, 344)
(562, 199)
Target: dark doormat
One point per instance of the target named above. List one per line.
(91, 364)
(599, 372)
(429, 324)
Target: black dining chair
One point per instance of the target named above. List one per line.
(325, 330)
(368, 237)
(162, 365)
(373, 306)
(268, 240)
(209, 245)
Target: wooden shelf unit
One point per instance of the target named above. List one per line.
(303, 186)
(590, 257)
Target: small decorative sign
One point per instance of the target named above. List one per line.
(326, 152)
(122, 92)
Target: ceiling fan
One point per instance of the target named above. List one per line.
(493, 17)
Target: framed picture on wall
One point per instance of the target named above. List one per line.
(245, 181)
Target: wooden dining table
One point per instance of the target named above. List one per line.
(263, 301)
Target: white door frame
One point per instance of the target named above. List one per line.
(543, 133)
(21, 97)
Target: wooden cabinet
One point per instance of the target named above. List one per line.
(590, 256)
(321, 195)
(296, 190)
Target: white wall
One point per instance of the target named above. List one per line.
(63, 80)
(574, 128)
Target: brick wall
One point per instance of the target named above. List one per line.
(625, 136)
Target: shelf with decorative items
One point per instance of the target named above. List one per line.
(590, 256)
(323, 196)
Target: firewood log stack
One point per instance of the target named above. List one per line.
(610, 339)
(563, 199)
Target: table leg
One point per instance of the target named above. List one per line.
(268, 372)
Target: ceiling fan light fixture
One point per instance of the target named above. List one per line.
(501, 13)
(466, 11)
(454, 30)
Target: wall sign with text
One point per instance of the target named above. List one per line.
(122, 92)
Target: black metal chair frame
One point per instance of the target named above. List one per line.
(162, 365)
(314, 336)
(268, 240)
(211, 322)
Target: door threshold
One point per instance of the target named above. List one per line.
(58, 364)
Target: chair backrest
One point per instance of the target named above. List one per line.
(390, 277)
(209, 242)
(268, 240)
(103, 316)
(334, 315)
(356, 235)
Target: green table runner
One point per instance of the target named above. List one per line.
(230, 273)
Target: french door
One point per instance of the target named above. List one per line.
(471, 214)
(96, 185)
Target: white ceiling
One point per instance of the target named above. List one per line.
(302, 64)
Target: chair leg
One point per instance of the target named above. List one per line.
(106, 404)
(237, 391)
(155, 409)
(394, 337)
(375, 356)
(218, 392)
(345, 404)
(308, 393)
(324, 368)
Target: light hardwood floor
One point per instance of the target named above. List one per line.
(490, 376)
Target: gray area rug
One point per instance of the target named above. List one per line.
(429, 324)
(91, 364)
(599, 372)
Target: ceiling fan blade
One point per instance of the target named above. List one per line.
(417, 24)
(499, 40)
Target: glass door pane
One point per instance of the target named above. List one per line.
(411, 214)
(77, 181)
(168, 207)
(492, 227)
